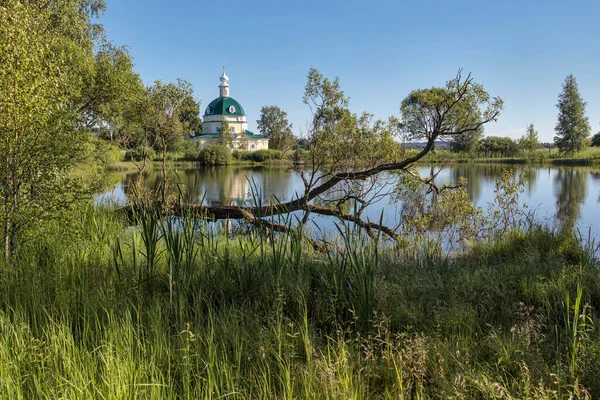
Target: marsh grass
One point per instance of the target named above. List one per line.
(182, 309)
(587, 156)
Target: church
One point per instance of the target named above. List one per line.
(226, 108)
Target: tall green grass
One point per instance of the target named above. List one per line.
(182, 309)
(587, 156)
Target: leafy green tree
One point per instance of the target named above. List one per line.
(573, 128)
(215, 154)
(462, 107)
(530, 141)
(397, 131)
(494, 146)
(162, 121)
(190, 116)
(273, 123)
(225, 135)
(109, 88)
(596, 140)
(102, 77)
(134, 135)
(340, 139)
(45, 49)
(468, 142)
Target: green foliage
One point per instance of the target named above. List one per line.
(215, 154)
(451, 218)
(461, 107)
(190, 116)
(573, 128)
(44, 51)
(342, 140)
(107, 308)
(141, 152)
(273, 123)
(109, 89)
(467, 142)
(164, 105)
(190, 150)
(162, 124)
(325, 99)
(498, 146)
(530, 141)
(596, 140)
(507, 211)
(259, 155)
(225, 135)
(100, 152)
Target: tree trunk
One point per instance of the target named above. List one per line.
(138, 179)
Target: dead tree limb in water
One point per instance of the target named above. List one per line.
(354, 158)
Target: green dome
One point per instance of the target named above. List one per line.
(224, 106)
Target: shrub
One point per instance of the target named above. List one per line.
(238, 154)
(112, 155)
(267, 154)
(99, 151)
(171, 156)
(215, 154)
(138, 153)
(301, 155)
(258, 155)
(190, 150)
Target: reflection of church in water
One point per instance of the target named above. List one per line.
(224, 186)
(236, 186)
(230, 190)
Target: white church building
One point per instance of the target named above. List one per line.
(226, 108)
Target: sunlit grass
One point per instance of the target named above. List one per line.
(587, 156)
(178, 309)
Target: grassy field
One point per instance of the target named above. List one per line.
(589, 156)
(172, 309)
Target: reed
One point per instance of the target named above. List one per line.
(181, 308)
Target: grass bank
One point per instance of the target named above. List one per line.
(107, 311)
(128, 166)
(589, 156)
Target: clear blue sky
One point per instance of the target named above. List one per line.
(381, 50)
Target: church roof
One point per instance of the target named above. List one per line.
(249, 135)
(224, 106)
(253, 135)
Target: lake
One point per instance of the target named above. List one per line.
(560, 196)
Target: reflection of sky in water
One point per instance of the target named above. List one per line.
(574, 191)
(114, 196)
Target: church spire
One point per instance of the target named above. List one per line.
(224, 86)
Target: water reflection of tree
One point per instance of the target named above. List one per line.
(476, 175)
(595, 175)
(473, 177)
(570, 191)
(223, 185)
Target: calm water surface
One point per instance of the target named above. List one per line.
(564, 197)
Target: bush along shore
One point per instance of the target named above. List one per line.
(176, 308)
(589, 156)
